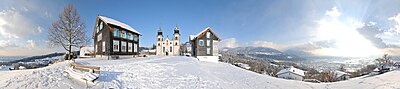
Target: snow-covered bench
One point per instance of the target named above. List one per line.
(95, 69)
(83, 73)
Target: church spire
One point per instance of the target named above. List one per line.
(159, 32)
(176, 29)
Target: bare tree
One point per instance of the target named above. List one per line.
(68, 31)
(384, 62)
(342, 68)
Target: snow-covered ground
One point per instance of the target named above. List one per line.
(176, 72)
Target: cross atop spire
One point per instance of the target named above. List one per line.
(159, 29)
(159, 32)
(176, 29)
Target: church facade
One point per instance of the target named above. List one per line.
(168, 47)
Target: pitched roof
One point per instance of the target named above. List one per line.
(205, 30)
(117, 23)
(292, 70)
(340, 73)
(191, 37)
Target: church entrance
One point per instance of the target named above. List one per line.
(166, 53)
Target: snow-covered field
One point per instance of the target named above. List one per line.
(176, 72)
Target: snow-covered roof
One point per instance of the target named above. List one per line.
(376, 70)
(117, 23)
(397, 63)
(340, 73)
(151, 50)
(292, 70)
(208, 28)
(191, 37)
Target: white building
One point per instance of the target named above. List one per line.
(167, 47)
(340, 75)
(86, 51)
(291, 73)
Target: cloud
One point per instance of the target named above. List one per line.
(370, 33)
(268, 44)
(23, 27)
(228, 43)
(6, 44)
(371, 23)
(396, 19)
(15, 25)
(391, 51)
(317, 45)
(30, 44)
(28, 48)
(333, 13)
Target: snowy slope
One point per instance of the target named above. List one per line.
(176, 72)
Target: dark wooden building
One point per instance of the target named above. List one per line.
(205, 44)
(112, 37)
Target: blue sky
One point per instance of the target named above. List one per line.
(320, 27)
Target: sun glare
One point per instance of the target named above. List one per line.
(348, 41)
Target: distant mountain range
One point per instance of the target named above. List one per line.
(265, 52)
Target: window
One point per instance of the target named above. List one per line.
(163, 49)
(116, 45)
(97, 28)
(101, 25)
(159, 39)
(201, 42)
(208, 50)
(99, 37)
(134, 37)
(176, 43)
(123, 34)
(208, 34)
(129, 36)
(159, 44)
(208, 43)
(176, 38)
(115, 32)
(170, 49)
(123, 46)
(129, 47)
(135, 47)
(103, 47)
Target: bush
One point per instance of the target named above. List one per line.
(66, 56)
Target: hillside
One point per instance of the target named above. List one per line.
(263, 52)
(176, 72)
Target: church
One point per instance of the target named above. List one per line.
(168, 47)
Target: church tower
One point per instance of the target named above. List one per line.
(176, 41)
(159, 44)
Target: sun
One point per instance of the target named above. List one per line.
(348, 41)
